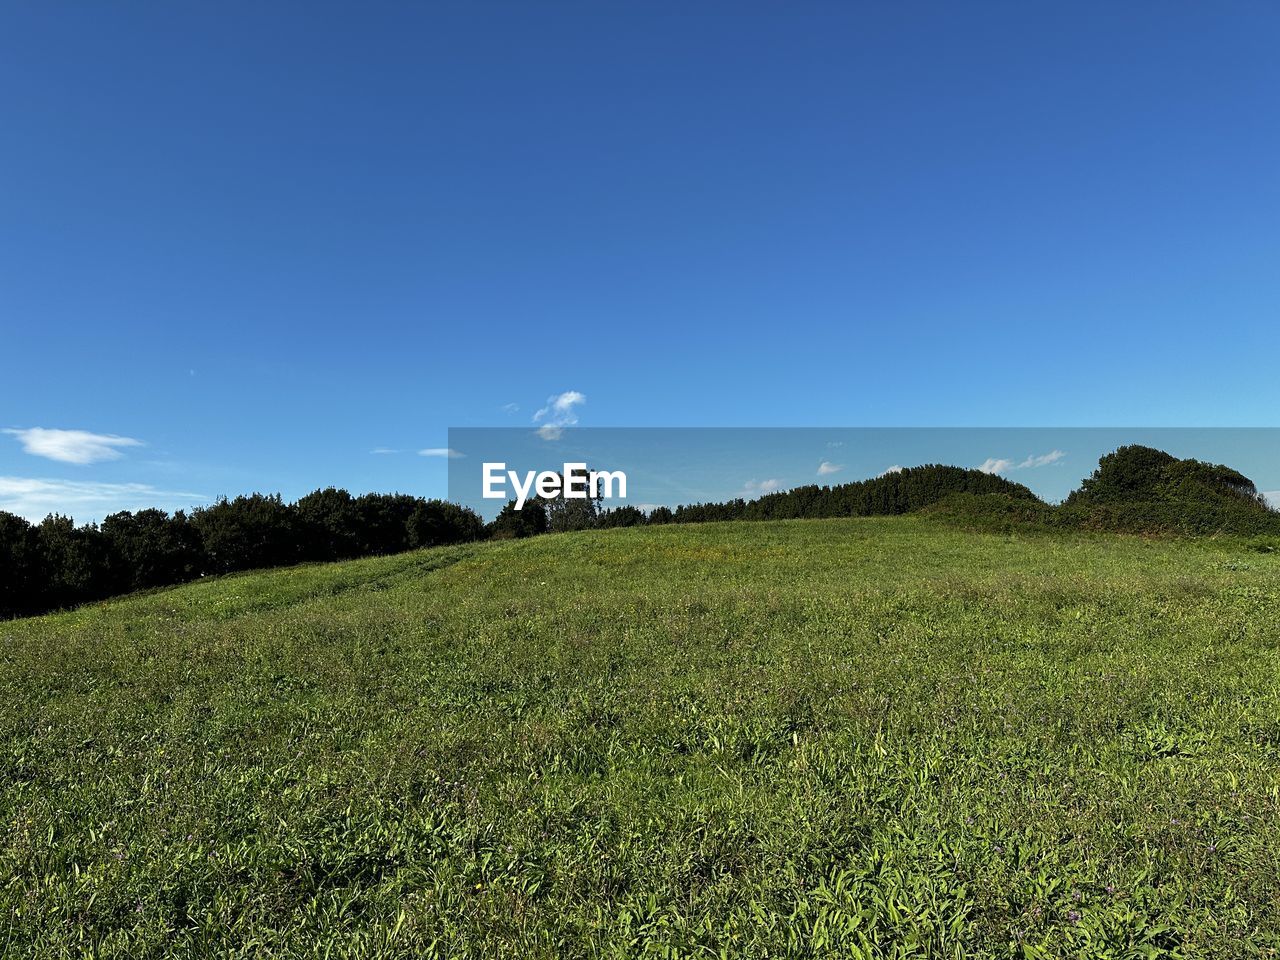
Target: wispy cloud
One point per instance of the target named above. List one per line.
(384, 450)
(826, 468)
(1044, 460)
(447, 452)
(35, 499)
(1004, 465)
(896, 468)
(511, 408)
(558, 414)
(755, 488)
(72, 446)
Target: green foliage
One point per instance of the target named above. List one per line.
(624, 516)
(901, 491)
(992, 512)
(434, 523)
(152, 549)
(22, 574)
(247, 532)
(330, 523)
(854, 738)
(58, 564)
(1142, 490)
(565, 514)
(513, 524)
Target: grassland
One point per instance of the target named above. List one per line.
(814, 739)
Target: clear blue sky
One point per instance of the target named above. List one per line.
(264, 240)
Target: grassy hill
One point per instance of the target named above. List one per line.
(842, 738)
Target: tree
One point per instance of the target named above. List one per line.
(247, 533)
(74, 562)
(573, 513)
(436, 522)
(661, 515)
(22, 578)
(513, 524)
(623, 516)
(151, 549)
(384, 522)
(328, 525)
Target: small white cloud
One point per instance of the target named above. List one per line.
(558, 414)
(447, 452)
(383, 450)
(758, 487)
(511, 408)
(1002, 465)
(896, 468)
(1043, 460)
(35, 499)
(832, 444)
(826, 468)
(72, 446)
(994, 465)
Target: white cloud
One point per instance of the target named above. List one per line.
(758, 487)
(992, 465)
(826, 468)
(447, 452)
(1003, 465)
(35, 499)
(511, 408)
(72, 446)
(384, 450)
(896, 468)
(1043, 460)
(558, 414)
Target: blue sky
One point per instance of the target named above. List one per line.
(264, 240)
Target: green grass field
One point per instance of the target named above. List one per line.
(815, 739)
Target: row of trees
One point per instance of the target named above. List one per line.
(901, 491)
(56, 564)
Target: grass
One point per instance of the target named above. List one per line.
(864, 738)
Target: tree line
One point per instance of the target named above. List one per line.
(55, 564)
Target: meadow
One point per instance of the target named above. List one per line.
(878, 737)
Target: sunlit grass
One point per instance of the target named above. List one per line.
(816, 738)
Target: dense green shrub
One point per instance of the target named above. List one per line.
(1144, 490)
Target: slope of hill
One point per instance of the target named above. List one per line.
(838, 738)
